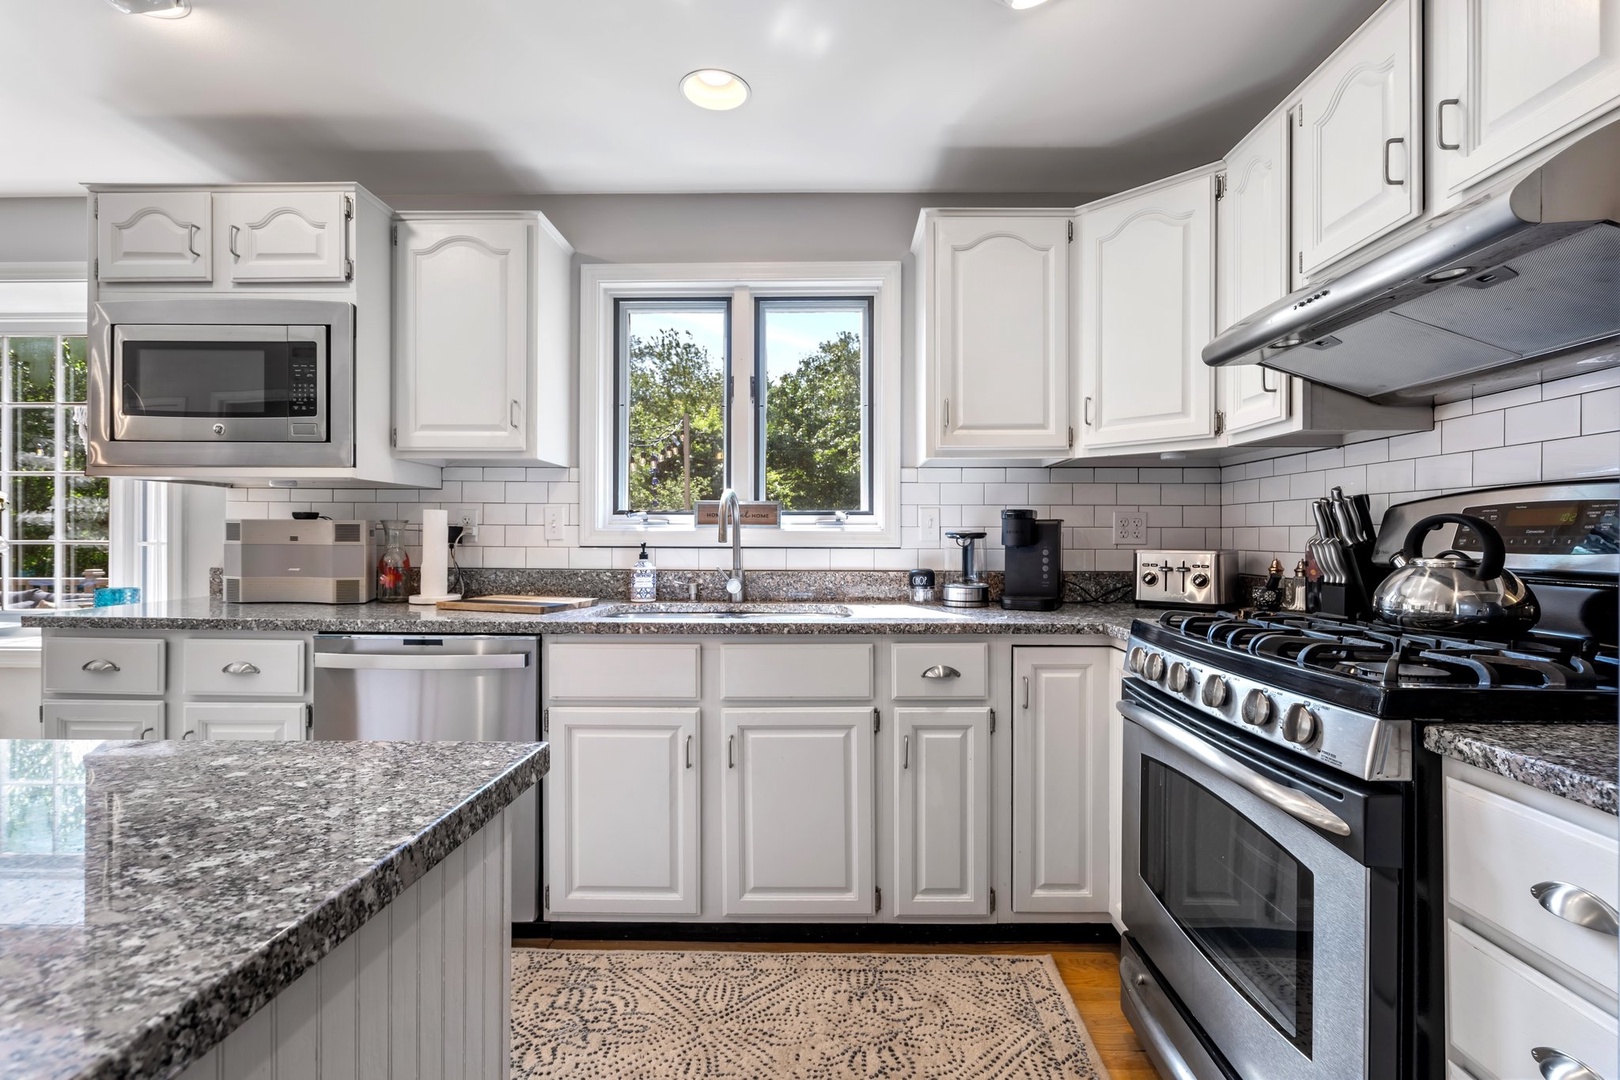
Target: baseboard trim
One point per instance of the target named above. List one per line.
(830, 933)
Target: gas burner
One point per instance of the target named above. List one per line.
(1402, 672)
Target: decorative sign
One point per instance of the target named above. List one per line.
(753, 513)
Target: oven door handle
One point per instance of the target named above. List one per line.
(1286, 799)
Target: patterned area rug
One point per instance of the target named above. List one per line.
(613, 1015)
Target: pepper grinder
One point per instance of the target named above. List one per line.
(970, 591)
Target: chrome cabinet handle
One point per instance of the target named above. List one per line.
(1264, 386)
(905, 751)
(1577, 905)
(1440, 125)
(191, 234)
(240, 667)
(145, 732)
(236, 231)
(1086, 412)
(1557, 1065)
(1391, 181)
(1026, 691)
(100, 665)
(189, 733)
(941, 671)
(731, 751)
(689, 751)
(515, 414)
(1286, 799)
(945, 425)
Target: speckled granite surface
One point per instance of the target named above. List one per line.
(153, 896)
(1112, 620)
(1576, 761)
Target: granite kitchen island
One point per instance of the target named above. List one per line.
(217, 910)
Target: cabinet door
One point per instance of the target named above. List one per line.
(622, 811)
(283, 721)
(942, 811)
(797, 811)
(1251, 229)
(999, 324)
(288, 235)
(103, 720)
(153, 236)
(1357, 162)
(1147, 292)
(1508, 78)
(1060, 779)
(463, 337)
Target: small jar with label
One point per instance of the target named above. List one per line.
(643, 579)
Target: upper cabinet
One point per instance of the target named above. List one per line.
(481, 337)
(993, 300)
(154, 236)
(294, 235)
(1147, 288)
(1507, 78)
(1357, 160)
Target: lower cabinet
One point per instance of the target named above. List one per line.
(942, 811)
(260, 722)
(797, 811)
(622, 811)
(66, 719)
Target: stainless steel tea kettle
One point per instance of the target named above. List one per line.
(1453, 592)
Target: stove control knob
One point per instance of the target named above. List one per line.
(1216, 691)
(1200, 581)
(1137, 660)
(1300, 726)
(1154, 669)
(1180, 677)
(1150, 578)
(1256, 708)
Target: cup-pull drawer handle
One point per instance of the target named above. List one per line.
(941, 671)
(100, 665)
(240, 667)
(1577, 905)
(1557, 1065)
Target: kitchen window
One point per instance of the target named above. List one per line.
(779, 381)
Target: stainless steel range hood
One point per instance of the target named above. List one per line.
(1500, 290)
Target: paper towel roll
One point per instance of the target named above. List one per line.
(435, 553)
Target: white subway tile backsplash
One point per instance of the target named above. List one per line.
(1446, 471)
(1389, 476)
(1507, 465)
(1366, 453)
(1600, 411)
(1417, 444)
(1474, 432)
(1452, 409)
(1556, 419)
(1574, 459)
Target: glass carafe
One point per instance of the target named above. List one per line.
(393, 565)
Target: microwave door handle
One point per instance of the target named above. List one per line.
(424, 662)
(1291, 802)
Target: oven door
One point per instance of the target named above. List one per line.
(1247, 887)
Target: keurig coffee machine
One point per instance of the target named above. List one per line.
(1034, 574)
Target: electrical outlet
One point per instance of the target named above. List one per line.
(928, 525)
(1130, 528)
(467, 518)
(554, 523)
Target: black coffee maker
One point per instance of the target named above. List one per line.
(1034, 574)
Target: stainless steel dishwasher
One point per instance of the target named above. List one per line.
(460, 688)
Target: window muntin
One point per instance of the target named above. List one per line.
(813, 403)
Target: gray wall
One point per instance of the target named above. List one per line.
(43, 230)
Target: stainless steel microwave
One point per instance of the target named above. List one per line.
(228, 382)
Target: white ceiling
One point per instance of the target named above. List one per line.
(535, 96)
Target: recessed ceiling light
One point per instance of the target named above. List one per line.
(712, 88)
(1021, 5)
(158, 9)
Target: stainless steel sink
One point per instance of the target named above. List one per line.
(690, 613)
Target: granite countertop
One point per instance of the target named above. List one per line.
(1578, 762)
(1112, 620)
(153, 896)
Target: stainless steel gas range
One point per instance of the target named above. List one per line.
(1281, 868)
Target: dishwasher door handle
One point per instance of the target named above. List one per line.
(420, 661)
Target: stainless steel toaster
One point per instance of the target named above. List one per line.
(1198, 579)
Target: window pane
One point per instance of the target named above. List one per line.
(86, 507)
(33, 368)
(75, 365)
(73, 436)
(33, 440)
(33, 509)
(672, 403)
(813, 355)
(33, 570)
(84, 570)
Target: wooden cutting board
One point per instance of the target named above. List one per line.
(520, 605)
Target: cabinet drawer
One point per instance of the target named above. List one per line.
(614, 671)
(103, 665)
(257, 721)
(248, 667)
(955, 670)
(797, 672)
(1498, 850)
(1498, 1010)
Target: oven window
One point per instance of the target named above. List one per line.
(1241, 897)
(210, 379)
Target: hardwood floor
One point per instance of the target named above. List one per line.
(1090, 973)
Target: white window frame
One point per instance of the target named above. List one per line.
(602, 285)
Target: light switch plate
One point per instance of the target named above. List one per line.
(1130, 528)
(554, 523)
(928, 525)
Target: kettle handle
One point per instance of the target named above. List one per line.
(1492, 557)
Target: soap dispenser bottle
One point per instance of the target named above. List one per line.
(644, 579)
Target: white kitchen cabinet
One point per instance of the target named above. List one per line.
(942, 811)
(1507, 79)
(1147, 291)
(622, 811)
(68, 719)
(994, 315)
(292, 235)
(154, 236)
(797, 826)
(1357, 159)
(481, 337)
(284, 721)
(1060, 779)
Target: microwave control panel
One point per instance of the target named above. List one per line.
(303, 379)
